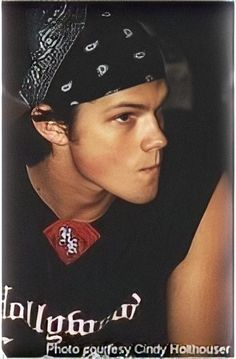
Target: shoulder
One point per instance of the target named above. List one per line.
(200, 287)
(212, 240)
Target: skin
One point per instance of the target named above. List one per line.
(200, 291)
(117, 142)
(115, 150)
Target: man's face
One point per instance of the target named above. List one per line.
(117, 141)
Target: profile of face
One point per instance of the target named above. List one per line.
(117, 142)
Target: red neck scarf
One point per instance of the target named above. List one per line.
(70, 239)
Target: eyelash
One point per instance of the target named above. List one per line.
(130, 116)
(126, 114)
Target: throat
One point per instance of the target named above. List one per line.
(69, 197)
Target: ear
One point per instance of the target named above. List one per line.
(53, 131)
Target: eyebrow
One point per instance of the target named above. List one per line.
(135, 105)
(127, 104)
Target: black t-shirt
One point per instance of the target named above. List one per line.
(116, 292)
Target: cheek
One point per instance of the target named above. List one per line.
(96, 160)
(115, 171)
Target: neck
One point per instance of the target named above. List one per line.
(66, 192)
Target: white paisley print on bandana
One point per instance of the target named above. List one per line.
(91, 47)
(102, 69)
(128, 33)
(67, 87)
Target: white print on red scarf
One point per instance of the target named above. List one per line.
(55, 327)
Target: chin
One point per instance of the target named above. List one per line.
(145, 200)
(142, 197)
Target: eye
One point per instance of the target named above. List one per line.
(125, 117)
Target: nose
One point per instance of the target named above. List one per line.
(153, 137)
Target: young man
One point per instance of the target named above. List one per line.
(98, 257)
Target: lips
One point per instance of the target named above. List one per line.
(157, 164)
(150, 168)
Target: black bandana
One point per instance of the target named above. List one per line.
(111, 52)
